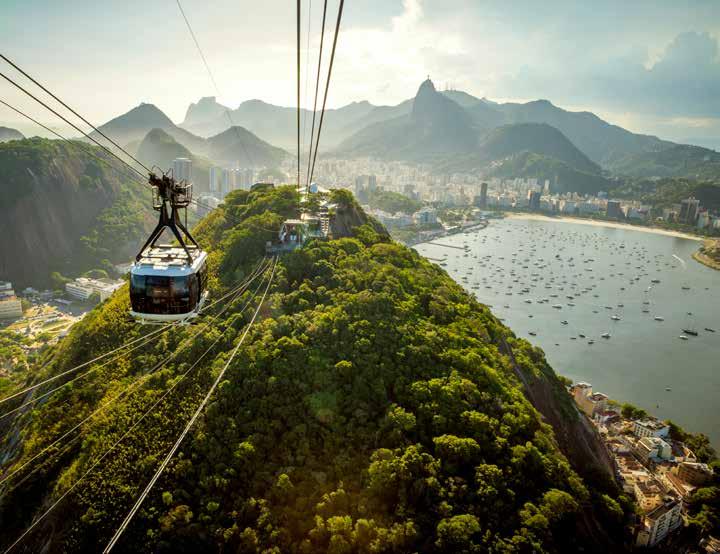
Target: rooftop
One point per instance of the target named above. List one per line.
(669, 504)
(652, 424)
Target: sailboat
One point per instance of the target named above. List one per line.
(689, 329)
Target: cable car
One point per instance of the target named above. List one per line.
(168, 282)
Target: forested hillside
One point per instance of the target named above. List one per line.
(375, 407)
(61, 209)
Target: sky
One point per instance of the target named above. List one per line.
(652, 66)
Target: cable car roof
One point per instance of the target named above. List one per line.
(169, 260)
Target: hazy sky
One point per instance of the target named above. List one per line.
(651, 66)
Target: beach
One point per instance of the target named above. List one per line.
(611, 224)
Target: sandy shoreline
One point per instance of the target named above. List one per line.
(610, 224)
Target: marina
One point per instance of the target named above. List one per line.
(644, 310)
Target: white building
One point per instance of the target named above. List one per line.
(83, 288)
(653, 448)
(703, 220)
(214, 184)
(229, 181)
(10, 305)
(182, 169)
(660, 522)
(651, 428)
(425, 216)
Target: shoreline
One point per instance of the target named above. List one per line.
(700, 257)
(610, 224)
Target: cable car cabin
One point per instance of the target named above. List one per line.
(166, 286)
(295, 232)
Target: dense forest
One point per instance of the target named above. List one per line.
(374, 407)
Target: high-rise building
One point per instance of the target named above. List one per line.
(214, 185)
(372, 183)
(228, 181)
(614, 210)
(246, 178)
(689, 209)
(483, 195)
(533, 199)
(182, 170)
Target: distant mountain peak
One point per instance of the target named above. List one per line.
(149, 114)
(205, 109)
(426, 86)
(6, 134)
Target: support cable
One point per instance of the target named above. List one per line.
(145, 339)
(126, 391)
(77, 144)
(327, 85)
(129, 430)
(77, 115)
(190, 423)
(317, 87)
(66, 120)
(297, 17)
(214, 83)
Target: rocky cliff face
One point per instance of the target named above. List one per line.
(51, 195)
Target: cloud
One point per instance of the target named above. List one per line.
(682, 82)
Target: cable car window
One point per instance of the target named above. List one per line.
(179, 286)
(137, 284)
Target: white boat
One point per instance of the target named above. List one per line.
(658, 318)
(605, 335)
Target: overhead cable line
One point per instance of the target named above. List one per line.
(190, 423)
(143, 340)
(307, 70)
(317, 87)
(327, 85)
(76, 114)
(78, 144)
(214, 83)
(31, 95)
(297, 17)
(260, 269)
(131, 428)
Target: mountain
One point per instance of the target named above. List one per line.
(160, 149)
(277, 124)
(600, 141)
(206, 110)
(530, 150)
(240, 145)
(138, 122)
(166, 139)
(373, 406)
(562, 176)
(538, 138)
(6, 134)
(680, 160)
(461, 98)
(63, 210)
(435, 127)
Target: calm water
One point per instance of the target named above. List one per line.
(538, 274)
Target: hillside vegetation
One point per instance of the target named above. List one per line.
(374, 408)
